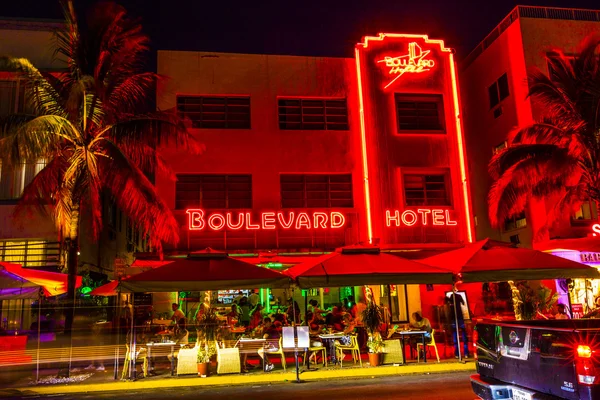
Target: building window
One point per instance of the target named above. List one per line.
(498, 91)
(584, 213)
(516, 222)
(426, 190)
(28, 253)
(316, 191)
(13, 180)
(395, 299)
(12, 97)
(313, 114)
(213, 191)
(498, 148)
(419, 113)
(215, 112)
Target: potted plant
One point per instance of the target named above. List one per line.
(204, 354)
(207, 327)
(372, 317)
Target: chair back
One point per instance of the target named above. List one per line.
(354, 341)
(432, 343)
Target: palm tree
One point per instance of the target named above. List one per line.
(555, 160)
(95, 127)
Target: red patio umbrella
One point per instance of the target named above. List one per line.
(108, 289)
(492, 261)
(364, 266)
(205, 271)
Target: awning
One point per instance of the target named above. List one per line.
(492, 261)
(149, 263)
(586, 244)
(53, 283)
(14, 287)
(364, 266)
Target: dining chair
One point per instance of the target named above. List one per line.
(429, 345)
(352, 347)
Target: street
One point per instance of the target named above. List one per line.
(453, 386)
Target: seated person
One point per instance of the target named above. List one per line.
(422, 324)
(180, 337)
(280, 318)
(314, 325)
(562, 312)
(272, 334)
(256, 317)
(336, 320)
(233, 316)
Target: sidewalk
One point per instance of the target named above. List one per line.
(241, 379)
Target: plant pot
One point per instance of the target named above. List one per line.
(203, 369)
(374, 359)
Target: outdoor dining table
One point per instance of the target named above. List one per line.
(410, 333)
(329, 339)
(165, 344)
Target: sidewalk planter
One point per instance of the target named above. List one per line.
(375, 359)
(203, 369)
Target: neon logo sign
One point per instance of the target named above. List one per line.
(420, 216)
(413, 62)
(596, 229)
(198, 220)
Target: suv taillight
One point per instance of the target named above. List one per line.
(587, 373)
(475, 340)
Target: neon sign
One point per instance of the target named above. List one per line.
(198, 220)
(596, 229)
(413, 62)
(420, 216)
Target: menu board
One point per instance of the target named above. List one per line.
(227, 296)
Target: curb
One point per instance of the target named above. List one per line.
(222, 380)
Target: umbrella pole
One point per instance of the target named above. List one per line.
(39, 332)
(456, 323)
(116, 375)
(132, 343)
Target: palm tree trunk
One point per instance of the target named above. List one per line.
(72, 263)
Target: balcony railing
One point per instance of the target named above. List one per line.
(571, 14)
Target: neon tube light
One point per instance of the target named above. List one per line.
(461, 150)
(363, 141)
(457, 116)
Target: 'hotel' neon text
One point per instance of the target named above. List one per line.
(198, 220)
(420, 216)
(413, 62)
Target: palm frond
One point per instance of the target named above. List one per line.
(40, 92)
(136, 195)
(28, 139)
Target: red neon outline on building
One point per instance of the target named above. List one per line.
(406, 221)
(439, 217)
(457, 116)
(363, 142)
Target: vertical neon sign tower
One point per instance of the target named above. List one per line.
(391, 65)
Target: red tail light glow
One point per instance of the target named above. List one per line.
(587, 373)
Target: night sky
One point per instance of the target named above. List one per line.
(310, 27)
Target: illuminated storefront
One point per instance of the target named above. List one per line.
(305, 155)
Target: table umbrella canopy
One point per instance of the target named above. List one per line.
(14, 287)
(205, 271)
(364, 266)
(53, 283)
(108, 289)
(491, 261)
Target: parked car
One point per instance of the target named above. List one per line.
(525, 360)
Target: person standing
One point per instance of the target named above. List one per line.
(451, 300)
(253, 299)
(244, 311)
